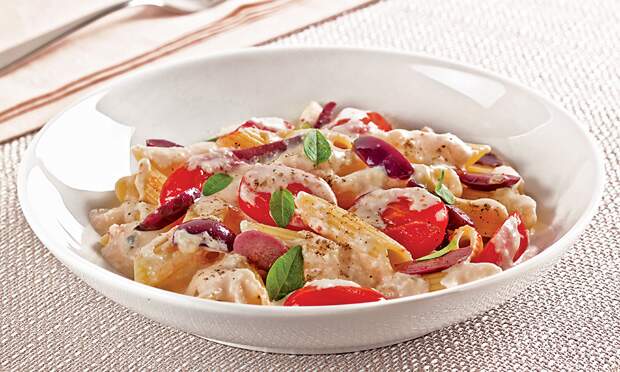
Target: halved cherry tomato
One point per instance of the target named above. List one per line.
(379, 121)
(259, 210)
(418, 231)
(181, 180)
(507, 245)
(338, 295)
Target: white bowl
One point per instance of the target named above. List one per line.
(72, 164)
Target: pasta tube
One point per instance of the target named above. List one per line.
(246, 137)
(488, 214)
(347, 229)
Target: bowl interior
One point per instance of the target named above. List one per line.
(81, 153)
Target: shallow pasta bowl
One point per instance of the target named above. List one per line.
(73, 163)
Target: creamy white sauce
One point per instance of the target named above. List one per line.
(329, 283)
(128, 211)
(467, 272)
(272, 123)
(268, 178)
(144, 167)
(295, 157)
(170, 157)
(190, 243)
(505, 169)
(310, 114)
(400, 285)
(370, 207)
(516, 202)
(162, 157)
(219, 160)
(427, 175)
(358, 123)
(507, 241)
(230, 279)
(350, 113)
(123, 245)
(429, 148)
(366, 180)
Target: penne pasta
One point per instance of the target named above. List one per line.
(358, 203)
(478, 152)
(288, 236)
(160, 264)
(152, 188)
(434, 281)
(488, 214)
(468, 236)
(143, 186)
(347, 229)
(244, 138)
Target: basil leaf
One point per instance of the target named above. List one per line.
(213, 139)
(282, 207)
(316, 147)
(215, 183)
(453, 245)
(286, 274)
(442, 191)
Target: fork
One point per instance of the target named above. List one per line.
(10, 58)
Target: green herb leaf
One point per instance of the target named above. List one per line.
(316, 147)
(213, 139)
(453, 245)
(215, 183)
(286, 274)
(442, 191)
(282, 207)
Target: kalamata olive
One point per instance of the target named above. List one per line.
(376, 152)
(490, 160)
(457, 218)
(487, 181)
(436, 264)
(214, 228)
(326, 115)
(263, 152)
(260, 248)
(154, 142)
(413, 183)
(169, 211)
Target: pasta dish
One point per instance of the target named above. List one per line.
(335, 207)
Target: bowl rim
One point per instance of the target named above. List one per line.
(77, 263)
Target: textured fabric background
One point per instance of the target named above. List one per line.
(569, 320)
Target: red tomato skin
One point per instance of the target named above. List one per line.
(379, 121)
(490, 255)
(181, 180)
(525, 238)
(338, 295)
(420, 232)
(259, 211)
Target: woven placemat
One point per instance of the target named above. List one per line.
(569, 320)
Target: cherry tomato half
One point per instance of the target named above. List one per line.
(338, 295)
(181, 180)
(379, 121)
(507, 245)
(259, 209)
(418, 231)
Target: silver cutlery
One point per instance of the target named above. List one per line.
(10, 58)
